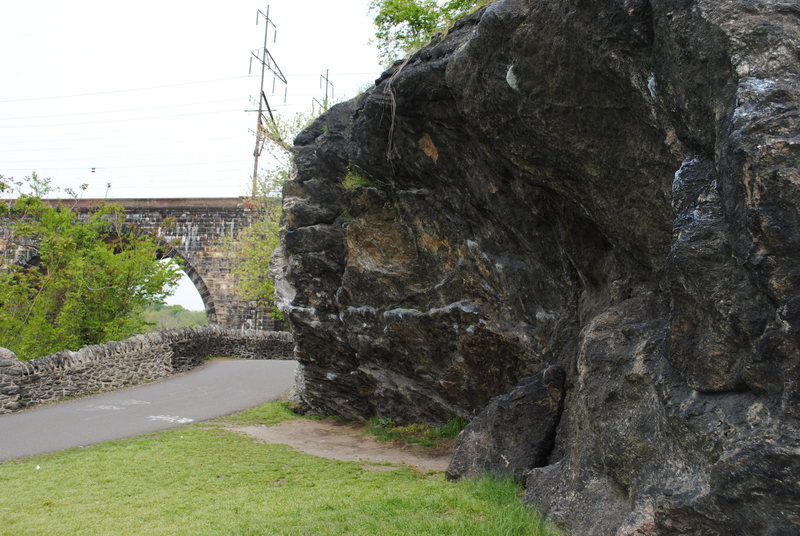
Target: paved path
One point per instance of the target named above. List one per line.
(217, 388)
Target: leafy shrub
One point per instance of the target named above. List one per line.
(354, 179)
(78, 281)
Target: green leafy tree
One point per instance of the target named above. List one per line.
(403, 26)
(253, 247)
(255, 244)
(67, 282)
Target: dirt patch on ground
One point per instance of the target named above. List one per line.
(343, 442)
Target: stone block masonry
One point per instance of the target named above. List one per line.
(200, 232)
(139, 359)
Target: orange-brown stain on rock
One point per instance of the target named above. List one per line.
(426, 144)
(378, 244)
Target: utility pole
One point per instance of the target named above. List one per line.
(268, 63)
(325, 104)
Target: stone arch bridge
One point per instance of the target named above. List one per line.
(195, 230)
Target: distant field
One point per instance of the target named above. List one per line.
(203, 479)
(161, 317)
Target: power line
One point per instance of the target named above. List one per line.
(329, 95)
(51, 116)
(132, 166)
(55, 146)
(106, 121)
(110, 92)
(154, 158)
(109, 131)
(337, 74)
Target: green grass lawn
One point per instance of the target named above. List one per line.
(203, 479)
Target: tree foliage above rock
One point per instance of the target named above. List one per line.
(253, 247)
(403, 26)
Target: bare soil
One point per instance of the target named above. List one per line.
(345, 442)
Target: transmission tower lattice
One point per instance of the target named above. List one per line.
(325, 104)
(268, 63)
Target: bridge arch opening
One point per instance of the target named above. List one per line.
(196, 230)
(185, 294)
(190, 280)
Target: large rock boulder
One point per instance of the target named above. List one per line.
(607, 187)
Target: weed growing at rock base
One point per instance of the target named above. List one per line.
(424, 435)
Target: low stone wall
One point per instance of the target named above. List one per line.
(139, 359)
(10, 374)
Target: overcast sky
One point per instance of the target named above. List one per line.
(152, 94)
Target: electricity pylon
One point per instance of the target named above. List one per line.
(268, 63)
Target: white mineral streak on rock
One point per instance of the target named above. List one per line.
(651, 85)
(284, 292)
(364, 309)
(545, 316)
(400, 312)
(463, 305)
(511, 79)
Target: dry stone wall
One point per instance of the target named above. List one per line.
(135, 360)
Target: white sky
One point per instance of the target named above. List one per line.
(152, 93)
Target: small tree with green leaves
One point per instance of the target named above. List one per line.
(253, 247)
(66, 282)
(255, 244)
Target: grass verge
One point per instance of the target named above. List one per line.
(205, 480)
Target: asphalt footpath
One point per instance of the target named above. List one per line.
(217, 388)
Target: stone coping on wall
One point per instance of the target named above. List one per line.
(138, 359)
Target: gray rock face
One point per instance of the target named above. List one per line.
(608, 187)
(516, 431)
